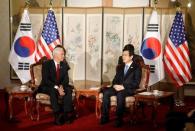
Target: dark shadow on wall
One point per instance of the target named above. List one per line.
(191, 42)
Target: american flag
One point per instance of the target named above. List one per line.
(49, 37)
(176, 55)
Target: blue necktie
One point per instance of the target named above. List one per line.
(126, 69)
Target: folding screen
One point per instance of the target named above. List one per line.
(112, 41)
(93, 44)
(74, 39)
(36, 17)
(133, 24)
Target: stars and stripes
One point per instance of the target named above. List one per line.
(176, 55)
(49, 37)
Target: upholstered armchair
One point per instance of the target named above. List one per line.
(130, 100)
(41, 99)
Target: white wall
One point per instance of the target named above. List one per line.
(4, 43)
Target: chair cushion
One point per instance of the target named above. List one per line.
(45, 99)
(45, 102)
(42, 96)
(37, 74)
(129, 100)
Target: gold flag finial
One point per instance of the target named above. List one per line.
(155, 3)
(27, 3)
(178, 5)
(51, 3)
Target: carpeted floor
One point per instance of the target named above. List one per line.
(87, 120)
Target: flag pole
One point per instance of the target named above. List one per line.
(51, 4)
(155, 3)
(27, 4)
(179, 91)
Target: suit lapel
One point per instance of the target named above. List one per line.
(61, 70)
(54, 69)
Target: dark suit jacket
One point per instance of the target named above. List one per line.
(131, 80)
(49, 74)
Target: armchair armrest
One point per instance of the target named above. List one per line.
(104, 86)
(33, 86)
(139, 90)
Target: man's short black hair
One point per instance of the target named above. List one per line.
(130, 48)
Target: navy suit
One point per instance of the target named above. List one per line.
(130, 81)
(49, 81)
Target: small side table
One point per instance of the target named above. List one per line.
(14, 91)
(88, 93)
(155, 101)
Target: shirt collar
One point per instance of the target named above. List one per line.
(56, 63)
(129, 64)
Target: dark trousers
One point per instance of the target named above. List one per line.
(67, 104)
(107, 93)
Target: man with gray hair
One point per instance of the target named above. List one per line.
(55, 83)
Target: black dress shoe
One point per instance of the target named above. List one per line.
(104, 120)
(70, 119)
(59, 119)
(67, 119)
(118, 123)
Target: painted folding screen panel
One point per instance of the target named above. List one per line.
(93, 44)
(133, 23)
(36, 17)
(74, 40)
(112, 41)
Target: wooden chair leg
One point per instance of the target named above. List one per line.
(37, 109)
(142, 108)
(132, 120)
(10, 107)
(25, 105)
(99, 111)
(31, 111)
(75, 110)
